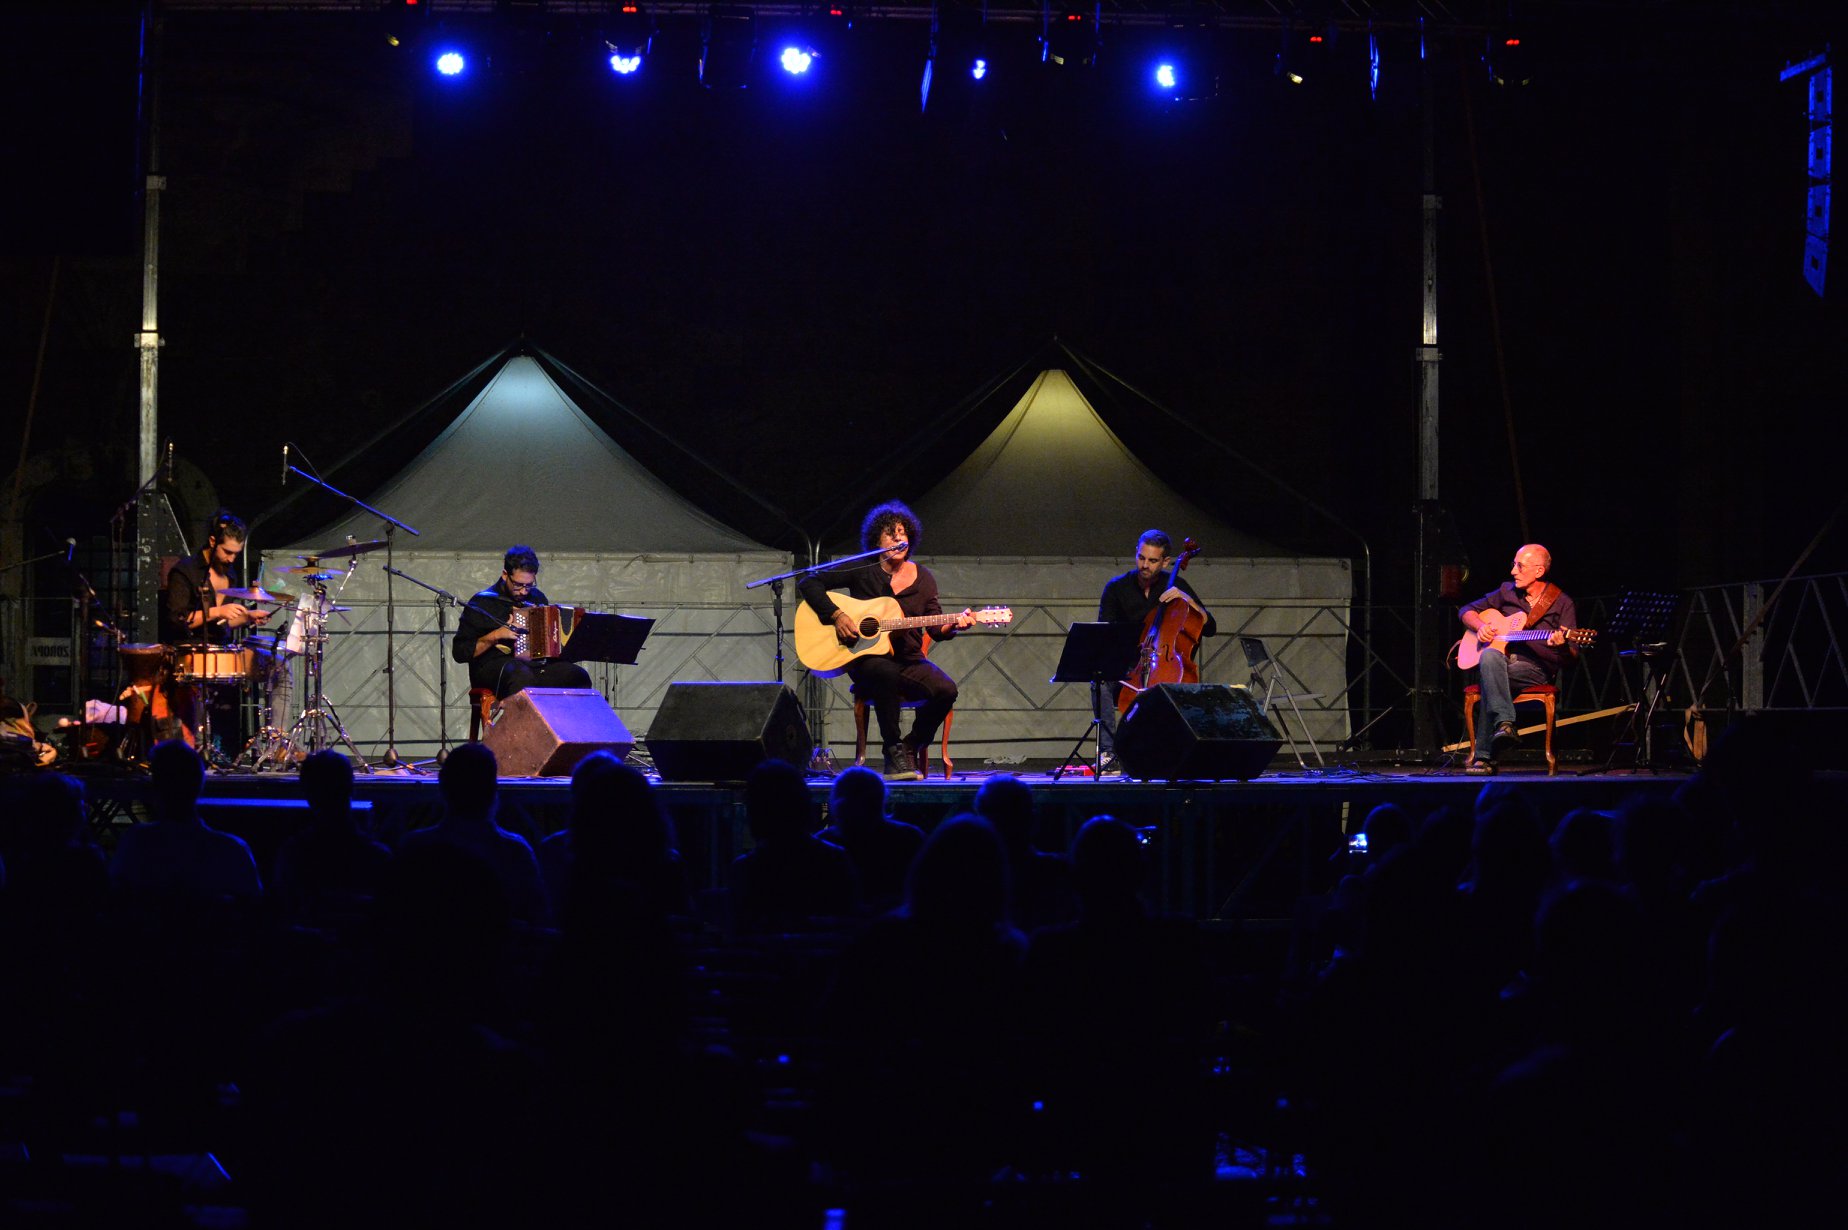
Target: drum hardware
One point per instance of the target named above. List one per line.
(257, 594)
(311, 572)
(311, 567)
(318, 726)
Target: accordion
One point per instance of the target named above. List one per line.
(541, 631)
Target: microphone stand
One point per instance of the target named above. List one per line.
(444, 600)
(776, 591)
(392, 524)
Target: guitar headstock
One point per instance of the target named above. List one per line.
(995, 615)
(1581, 637)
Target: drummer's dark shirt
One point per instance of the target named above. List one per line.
(188, 589)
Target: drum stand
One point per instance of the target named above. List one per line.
(318, 727)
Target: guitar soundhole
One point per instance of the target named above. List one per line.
(869, 628)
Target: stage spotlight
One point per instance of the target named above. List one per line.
(1165, 76)
(959, 54)
(1069, 37)
(451, 63)
(628, 39)
(1305, 57)
(796, 60)
(1187, 68)
(1508, 59)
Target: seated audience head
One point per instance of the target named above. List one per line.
(1107, 864)
(469, 779)
(960, 877)
(616, 818)
(777, 805)
(1007, 803)
(178, 776)
(1581, 845)
(1387, 827)
(42, 813)
(439, 919)
(858, 797)
(327, 782)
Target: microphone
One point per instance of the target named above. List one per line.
(285, 465)
(70, 549)
(169, 463)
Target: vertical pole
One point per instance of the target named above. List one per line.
(1427, 628)
(147, 340)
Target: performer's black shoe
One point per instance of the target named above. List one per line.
(1479, 768)
(900, 765)
(1506, 739)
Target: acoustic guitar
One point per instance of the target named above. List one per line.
(1510, 628)
(820, 648)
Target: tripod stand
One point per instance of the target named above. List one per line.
(1095, 654)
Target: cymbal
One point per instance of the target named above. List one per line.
(352, 548)
(310, 572)
(259, 594)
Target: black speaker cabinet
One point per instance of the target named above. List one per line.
(719, 732)
(1196, 731)
(544, 732)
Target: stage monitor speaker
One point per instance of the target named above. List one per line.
(719, 732)
(544, 732)
(1181, 731)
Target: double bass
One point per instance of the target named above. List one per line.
(1169, 636)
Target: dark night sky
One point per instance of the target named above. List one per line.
(801, 288)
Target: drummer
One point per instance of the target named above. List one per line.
(191, 609)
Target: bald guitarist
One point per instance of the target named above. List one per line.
(886, 680)
(1529, 603)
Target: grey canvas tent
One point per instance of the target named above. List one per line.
(523, 463)
(1038, 517)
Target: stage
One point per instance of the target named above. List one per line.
(1223, 850)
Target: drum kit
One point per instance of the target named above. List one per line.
(261, 667)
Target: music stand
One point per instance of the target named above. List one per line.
(598, 636)
(1640, 629)
(1268, 671)
(1094, 654)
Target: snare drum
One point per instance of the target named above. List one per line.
(214, 663)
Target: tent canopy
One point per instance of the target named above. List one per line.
(524, 464)
(1053, 480)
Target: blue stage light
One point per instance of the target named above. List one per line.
(1165, 76)
(796, 60)
(979, 69)
(624, 65)
(450, 63)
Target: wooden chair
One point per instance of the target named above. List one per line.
(480, 709)
(862, 711)
(1544, 694)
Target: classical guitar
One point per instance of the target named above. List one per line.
(1510, 628)
(821, 649)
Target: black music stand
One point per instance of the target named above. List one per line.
(1640, 630)
(1094, 654)
(602, 637)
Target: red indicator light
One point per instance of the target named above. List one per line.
(1513, 42)
(1315, 38)
(1074, 17)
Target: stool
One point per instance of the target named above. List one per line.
(480, 707)
(862, 710)
(1543, 694)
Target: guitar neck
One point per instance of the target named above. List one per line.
(1532, 634)
(916, 621)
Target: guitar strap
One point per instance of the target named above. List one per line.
(1540, 596)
